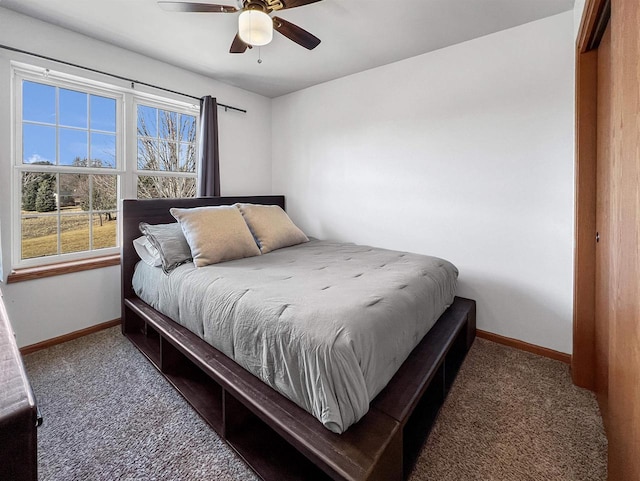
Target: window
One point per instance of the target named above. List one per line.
(68, 170)
(166, 153)
(73, 142)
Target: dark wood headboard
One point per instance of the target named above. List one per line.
(156, 211)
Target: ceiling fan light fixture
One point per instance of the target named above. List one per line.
(255, 28)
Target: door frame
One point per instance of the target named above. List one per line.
(595, 18)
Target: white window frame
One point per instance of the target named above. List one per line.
(21, 74)
(126, 168)
(162, 104)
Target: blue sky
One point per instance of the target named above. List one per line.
(80, 116)
(85, 126)
(153, 116)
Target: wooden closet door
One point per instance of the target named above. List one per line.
(624, 330)
(608, 201)
(603, 239)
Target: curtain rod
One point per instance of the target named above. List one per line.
(133, 82)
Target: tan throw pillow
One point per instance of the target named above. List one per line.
(271, 227)
(215, 234)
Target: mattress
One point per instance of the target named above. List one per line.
(325, 323)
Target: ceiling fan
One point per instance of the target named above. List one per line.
(255, 26)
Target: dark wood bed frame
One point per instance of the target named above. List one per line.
(277, 439)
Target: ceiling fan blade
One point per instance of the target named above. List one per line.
(295, 33)
(191, 7)
(238, 46)
(296, 3)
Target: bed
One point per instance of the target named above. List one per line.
(276, 432)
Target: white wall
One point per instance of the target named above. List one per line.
(47, 308)
(578, 9)
(465, 153)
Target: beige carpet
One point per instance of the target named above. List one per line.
(109, 415)
(515, 416)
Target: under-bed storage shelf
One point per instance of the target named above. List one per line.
(204, 395)
(421, 420)
(144, 337)
(279, 440)
(415, 394)
(453, 361)
(263, 449)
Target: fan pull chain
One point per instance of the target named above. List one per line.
(259, 54)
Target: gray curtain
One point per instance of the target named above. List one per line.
(208, 155)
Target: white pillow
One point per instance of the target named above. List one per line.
(147, 252)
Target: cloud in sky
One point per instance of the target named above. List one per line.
(37, 158)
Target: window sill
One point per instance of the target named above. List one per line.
(40, 272)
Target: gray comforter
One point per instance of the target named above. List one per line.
(325, 323)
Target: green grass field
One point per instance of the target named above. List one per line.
(40, 238)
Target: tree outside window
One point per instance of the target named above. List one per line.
(67, 135)
(167, 148)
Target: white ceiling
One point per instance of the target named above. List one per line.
(356, 34)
